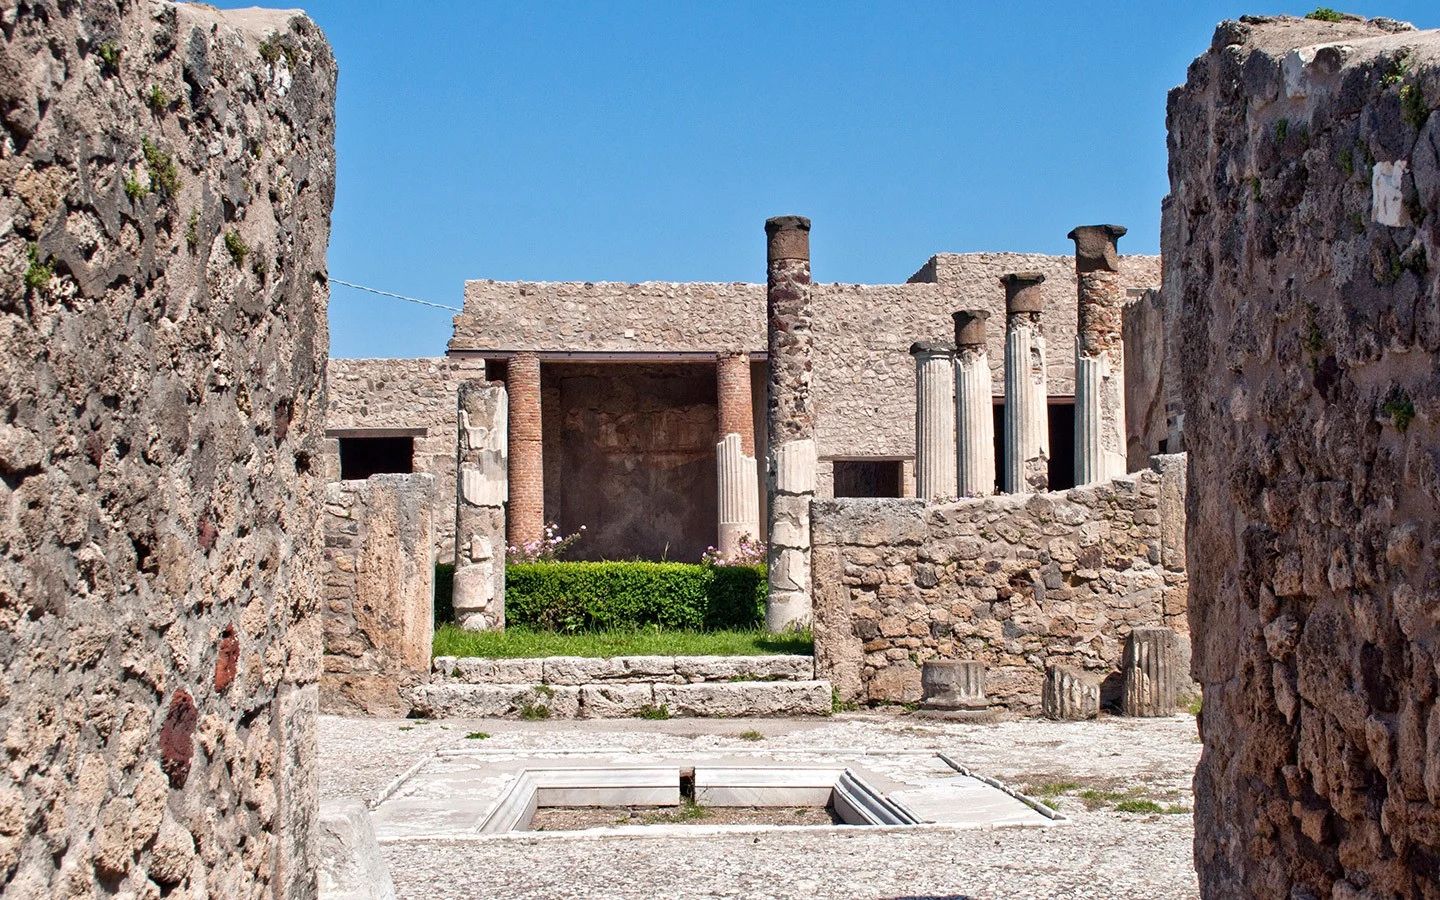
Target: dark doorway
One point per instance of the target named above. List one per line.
(1062, 444)
(868, 477)
(361, 457)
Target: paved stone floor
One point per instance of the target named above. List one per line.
(1088, 766)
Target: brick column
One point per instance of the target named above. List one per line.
(1027, 414)
(974, 407)
(527, 470)
(934, 419)
(737, 479)
(1100, 448)
(790, 420)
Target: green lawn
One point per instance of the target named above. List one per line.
(518, 641)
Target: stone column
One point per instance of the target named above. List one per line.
(527, 461)
(1069, 694)
(1150, 672)
(481, 490)
(738, 485)
(934, 420)
(790, 421)
(1099, 356)
(1027, 414)
(974, 407)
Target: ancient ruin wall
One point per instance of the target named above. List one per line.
(864, 377)
(1018, 582)
(379, 622)
(1305, 175)
(404, 393)
(166, 180)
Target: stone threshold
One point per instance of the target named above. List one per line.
(586, 670)
(659, 700)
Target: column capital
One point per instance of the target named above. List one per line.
(970, 327)
(787, 237)
(1095, 249)
(1022, 292)
(932, 348)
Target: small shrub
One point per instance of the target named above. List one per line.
(1394, 69)
(1138, 806)
(838, 706)
(1357, 223)
(236, 247)
(545, 691)
(1282, 130)
(271, 49)
(192, 231)
(654, 712)
(546, 549)
(1194, 705)
(1401, 409)
(164, 176)
(109, 58)
(157, 98)
(751, 735)
(478, 735)
(1347, 161)
(258, 266)
(532, 712)
(134, 189)
(1325, 14)
(38, 274)
(1412, 106)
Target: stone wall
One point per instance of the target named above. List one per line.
(864, 377)
(405, 393)
(379, 593)
(1015, 581)
(1147, 428)
(166, 178)
(1305, 172)
(630, 455)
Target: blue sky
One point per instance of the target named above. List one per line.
(629, 141)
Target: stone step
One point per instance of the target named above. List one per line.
(618, 700)
(584, 670)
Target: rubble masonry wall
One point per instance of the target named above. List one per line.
(1305, 177)
(1018, 582)
(166, 180)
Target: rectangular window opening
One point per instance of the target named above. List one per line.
(361, 457)
(868, 477)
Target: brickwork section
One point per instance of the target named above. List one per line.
(527, 459)
(1016, 582)
(864, 378)
(733, 393)
(404, 393)
(166, 178)
(379, 593)
(1305, 172)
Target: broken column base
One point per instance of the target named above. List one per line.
(351, 866)
(1151, 664)
(953, 684)
(1069, 694)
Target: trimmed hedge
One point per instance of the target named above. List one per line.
(585, 596)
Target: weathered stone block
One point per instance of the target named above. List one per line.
(615, 701)
(351, 865)
(953, 684)
(1069, 694)
(757, 668)
(731, 700)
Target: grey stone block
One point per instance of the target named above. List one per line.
(755, 698)
(350, 864)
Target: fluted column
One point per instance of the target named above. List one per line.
(1027, 414)
(481, 490)
(738, 495)
(974, 407)
(790, 421)
(1099, 356)
(527, 463)
(934, 420)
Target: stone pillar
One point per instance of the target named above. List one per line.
(1069, 694)
(934, 420)
(482, 488)
(1099, 356)
(738, 485)
(1027, 413)
(790, 421)
(738, 496)
(527, 461)
(953, 684)
(974, 407)
(1150, 672)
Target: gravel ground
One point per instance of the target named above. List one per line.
(1102, 853)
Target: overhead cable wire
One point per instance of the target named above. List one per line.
(361, 287)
